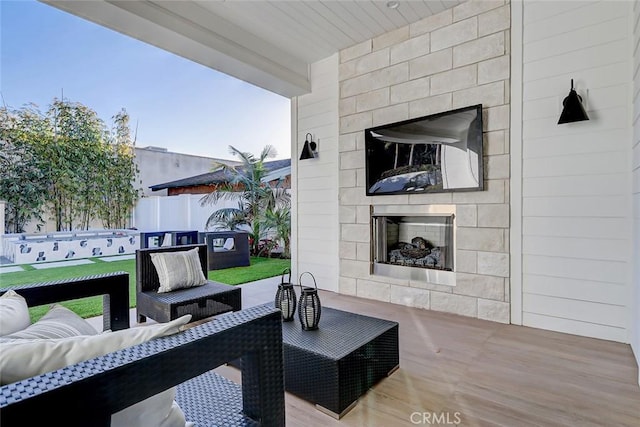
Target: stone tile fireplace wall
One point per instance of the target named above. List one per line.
(457, 58)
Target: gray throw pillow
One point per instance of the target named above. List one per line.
(178, 270)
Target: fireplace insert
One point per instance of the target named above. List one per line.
(413, 246)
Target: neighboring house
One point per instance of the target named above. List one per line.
(553, 240)
(279, 175)
(184, 210)
(158, 164)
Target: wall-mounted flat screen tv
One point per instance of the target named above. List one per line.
(432, 154)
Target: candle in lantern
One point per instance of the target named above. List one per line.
(310, 314)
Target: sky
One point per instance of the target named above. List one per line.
(174, 102)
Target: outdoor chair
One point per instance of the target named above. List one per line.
(232, 252)
(177, 364)
(208, 299)
(153, 239)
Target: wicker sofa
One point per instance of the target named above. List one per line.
(89, 392)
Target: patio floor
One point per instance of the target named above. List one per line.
(479, 373)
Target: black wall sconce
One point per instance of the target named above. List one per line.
(573, 110)
(309, 149)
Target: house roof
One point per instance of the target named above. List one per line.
(220, 176)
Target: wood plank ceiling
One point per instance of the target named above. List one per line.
(313, 30)
(266, 43)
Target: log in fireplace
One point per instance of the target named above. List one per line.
(414, 246)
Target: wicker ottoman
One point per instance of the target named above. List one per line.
(337, 363)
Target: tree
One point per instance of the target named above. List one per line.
(119, 195)
(68, 162)
(245, 185)
(229, 219)
(22, 182)
(75, 160)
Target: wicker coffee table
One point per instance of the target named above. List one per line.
(337, 363)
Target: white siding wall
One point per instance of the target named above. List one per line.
(315, 187)
(635, 329)
(576, 223)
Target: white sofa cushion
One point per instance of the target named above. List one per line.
(160, 410)
(14, 313)
(59, 322)
(21, 359)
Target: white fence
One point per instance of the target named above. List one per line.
(182, 212)
(163, 213)
(2, 205)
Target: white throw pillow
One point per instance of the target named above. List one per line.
(14, 313)
(20, 359)
(229, 243)
(59, 322)
(178, 270)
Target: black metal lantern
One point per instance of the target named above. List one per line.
(286, 297)
(309, 305)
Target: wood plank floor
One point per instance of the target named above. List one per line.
(480, 373)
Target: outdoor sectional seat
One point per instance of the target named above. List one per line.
(234, 252)
(179, 363)
(200, 301)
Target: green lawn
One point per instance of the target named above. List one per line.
(260, 268)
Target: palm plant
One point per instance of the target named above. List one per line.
(227, 218)
(244, 185)
(278, 219)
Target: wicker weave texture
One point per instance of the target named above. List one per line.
(337, 363)
(177, 237)
(238, 257)
(104, 385)
(206, 408)
(114, 286)
(201, 301)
